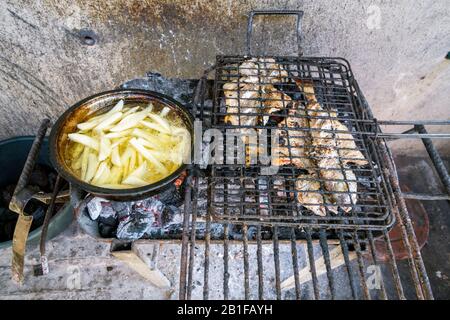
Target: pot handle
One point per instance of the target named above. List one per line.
(19, 200)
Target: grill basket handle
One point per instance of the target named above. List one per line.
(253, 13)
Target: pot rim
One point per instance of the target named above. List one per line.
(131, 193)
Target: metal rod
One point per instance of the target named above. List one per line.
(436, 158)
(260, 264)
(295, 264)
(192, 239)
(185, 236)
(349, 268)
(226, 273)
(207, 244)
(246, 263)
(407, 230)
(361, 267)
(32, 157)
(423, 196)
(312, 264)
(394, 268)
(48, 215)
(276, 259)
(375, 261)
(413, 122)
(326, 258)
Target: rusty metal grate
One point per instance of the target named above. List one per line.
(239, 209)
(242, 192)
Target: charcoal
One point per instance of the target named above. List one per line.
(107, 226)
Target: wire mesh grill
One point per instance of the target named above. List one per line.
(245, 237)
(253, 261)
(301, 113)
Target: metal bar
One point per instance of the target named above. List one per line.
(276, 259)
(394, 268)
(207, 244)
(192, 238)
(246, 263)
(436, 158)
(226, 273)
(413, 122)
(295, 264)
(424, 196)
(326, 258)
(374, 259)
(412, 135)
(361, 267)
(409, 237)
(260, 264)
(185, 236)
(348, 265)
(48, 215)
(31, 158)
(312, 263)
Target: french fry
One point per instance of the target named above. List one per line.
(130, 121)
(108, 121)
(91, 167)
(94, 121)
(127, 148)
(105, 149)
(164, 112)
(84, 163)
(132, 163)
(115, 156)
(146, 139)
(76, 165)
(162, 122)
(131, 110)
(77, 150)
(140, 172)
(148, 155)
(154, 126)
(116, 175)
(135, 181)
(85, 140)
(102, 174)
(120, 134)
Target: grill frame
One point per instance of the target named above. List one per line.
(368, 129)
(359, 240)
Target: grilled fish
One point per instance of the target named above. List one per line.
(338, 179)
(253, 94)
(342, 140)
(267, 69)
(293, 140)
(308, 194)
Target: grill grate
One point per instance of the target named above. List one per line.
(320, 248)
(287, 251)
(240, 191)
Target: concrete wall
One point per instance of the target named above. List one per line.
(396, 49)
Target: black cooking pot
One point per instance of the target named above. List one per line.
(100, 103)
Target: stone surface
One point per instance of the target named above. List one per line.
(396, 49)
(81, 267)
